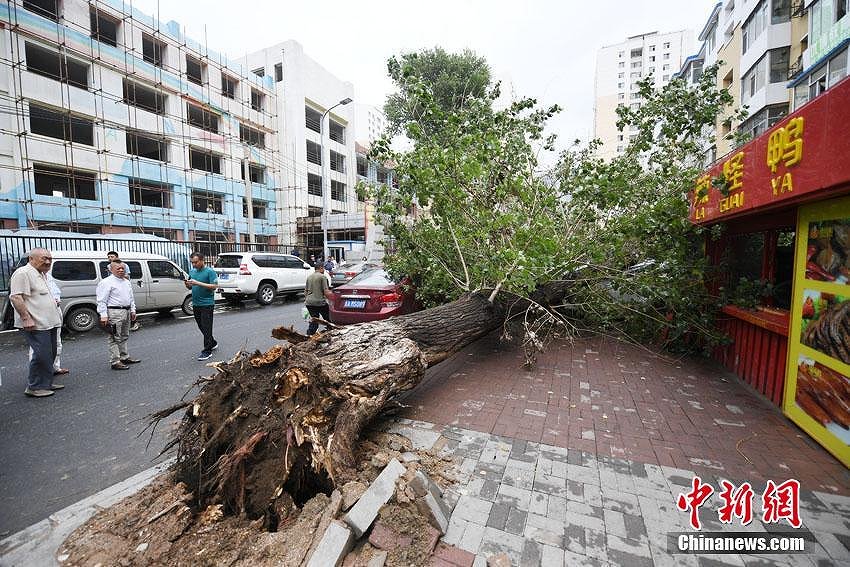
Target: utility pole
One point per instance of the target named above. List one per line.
(326, 197)
(249, 198)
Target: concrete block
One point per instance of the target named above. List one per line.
(435, 511)
(422, 484)
(362, 514)
(351, 493)
(333, 547)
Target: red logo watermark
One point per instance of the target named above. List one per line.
(779, 502)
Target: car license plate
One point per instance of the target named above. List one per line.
(354, 303)
(224, 276)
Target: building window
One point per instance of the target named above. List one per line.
(47, 8)
(256, 172)
(228, 86)
(337, 190)
(202, 118)
(621, 85)
(841, 9)
(665, 78)
(666, 45)
(636, 65)
(665, 67)
(621, 54)
(61, 125)
(257, 100)
(194, 70)
(64, 182)
(781, 11)
(762, 120)
(652, 48)
(779, 60)
(57, 66)
(621, 64)
(336, 131)
(260, 208)
(634, 75)
(837, 68)
(651, 58)
(151, 194)
(260, 71)
(753, 80)
(637, 52)
(152, 50)
(312, 119)
(709, 40)
(142, 145)
(382, 175)
(252, 136)
(204, 161)
(144, 97)
(314, 153)
(103, 28)
(278, 72)
(666, 56)
(621, 96)
(754, 26)
(205, 202)
(362, 167)
(337, 162)
(314, 184)
(620, 75)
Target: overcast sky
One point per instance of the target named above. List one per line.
(546, 49)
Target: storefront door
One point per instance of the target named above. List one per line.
(817, 384)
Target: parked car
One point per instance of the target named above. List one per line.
(157, 284)
(261, 275)
(370, 296)
(347, 270)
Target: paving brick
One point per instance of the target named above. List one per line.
(454, 555)
(516, 521)
(543, 530)
(471, 539)
(336, 542)
(384, 537)
(519, 497)
(575, 490)
(574, 538)
(498, 515)
(620, 501)
(581, 560)
(584, 509)
(583, 474)
(552, 556)
(364, 512)
(539, 503)
(489, 489)
(557, 509)
(455, 531)
(472, 509)
(614, 523)
(532, 553)
(595, 544)
(592, 494)
(497, 541)
(519, 477)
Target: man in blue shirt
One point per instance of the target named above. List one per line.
(203, 282)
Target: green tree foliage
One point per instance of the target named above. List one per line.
(642, 250)
(453, 80)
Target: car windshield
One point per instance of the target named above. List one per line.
(370, 278)
(228, 261)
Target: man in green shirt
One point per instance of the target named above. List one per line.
(315, 292)
(203, 282)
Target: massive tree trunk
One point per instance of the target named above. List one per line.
(283, 425)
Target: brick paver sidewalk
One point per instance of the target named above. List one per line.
(580, 460)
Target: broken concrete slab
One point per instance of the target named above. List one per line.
(435, 511)
(420, 437)
(351, 493)
(364, 512)
(421, 484)
(335, 544)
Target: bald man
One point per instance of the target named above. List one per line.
(38, 320)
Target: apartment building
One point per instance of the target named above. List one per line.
(822, 55)
(619, 68)
(116, 122)
(310, 103)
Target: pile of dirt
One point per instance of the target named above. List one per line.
(158, 525)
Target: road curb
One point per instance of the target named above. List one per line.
(38, 544)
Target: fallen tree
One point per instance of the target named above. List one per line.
(276, 428)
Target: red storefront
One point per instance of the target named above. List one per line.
(783, 203)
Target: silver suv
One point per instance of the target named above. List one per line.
(261, 275)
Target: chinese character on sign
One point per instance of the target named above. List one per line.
(786, 145)
(701, 196)
(737, 503)
(733, 171)
(694, 499)
(782, 502)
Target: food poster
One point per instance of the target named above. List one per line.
(817, 384)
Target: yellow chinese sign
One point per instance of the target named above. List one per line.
(785, 146)
(733, 172)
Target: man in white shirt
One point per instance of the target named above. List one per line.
(57, 297)
(37, 319)
(117, 308)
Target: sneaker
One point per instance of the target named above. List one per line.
(57, 386)
(129, 360)
(120, 366)
(135, 326)
(215, 346)
(38, 393)
(205, 355)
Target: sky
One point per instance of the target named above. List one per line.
(544, 49)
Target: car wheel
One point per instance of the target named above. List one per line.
(265, 294)
(187, 307)
(82, 319)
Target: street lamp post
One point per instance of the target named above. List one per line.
(325, 181)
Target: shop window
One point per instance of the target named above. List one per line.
(759, 269)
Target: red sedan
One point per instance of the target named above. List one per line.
(371, 296)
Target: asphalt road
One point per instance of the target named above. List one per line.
(58, 450)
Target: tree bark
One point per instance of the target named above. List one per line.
(288, 421)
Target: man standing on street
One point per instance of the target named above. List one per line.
(315, 293)
(38, 320)
(112, 256)
(57, 297)
(117, 308)
(203, 282)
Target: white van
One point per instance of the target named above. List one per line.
(157, 284)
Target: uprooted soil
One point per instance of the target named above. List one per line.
(158, 526)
